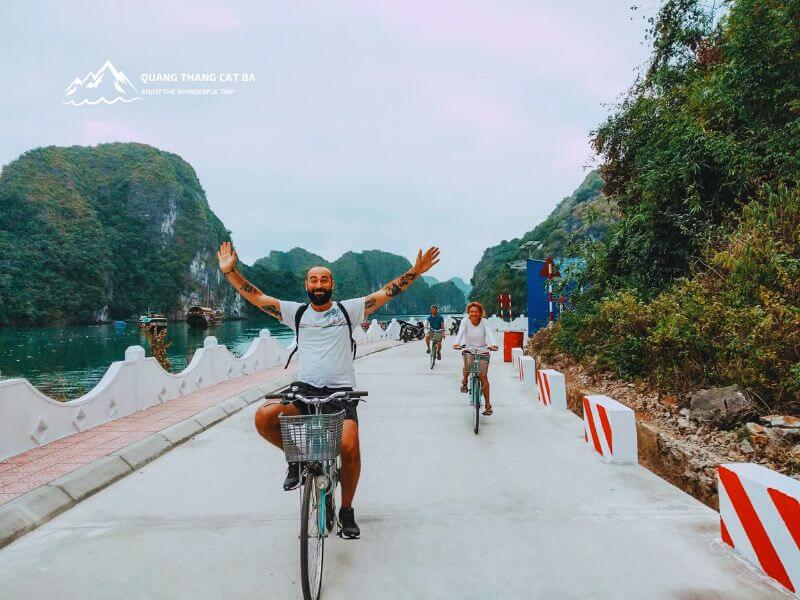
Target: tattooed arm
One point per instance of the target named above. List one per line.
(227, 264)
(392, 289)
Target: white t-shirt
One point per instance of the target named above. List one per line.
(324, 352)
(474, 335)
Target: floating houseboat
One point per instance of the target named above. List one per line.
(203, 316)
(152, 321)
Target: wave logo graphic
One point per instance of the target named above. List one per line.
(108, 85)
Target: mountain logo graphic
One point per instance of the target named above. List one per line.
(107, 85)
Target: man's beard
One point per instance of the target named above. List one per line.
(319, 297)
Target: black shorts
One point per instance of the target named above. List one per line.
(334, 406)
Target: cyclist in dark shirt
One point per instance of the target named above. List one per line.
(435, 323)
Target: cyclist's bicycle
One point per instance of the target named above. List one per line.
(314, 440)
(477, 362)
(436, 345)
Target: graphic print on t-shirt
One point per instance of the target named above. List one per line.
(332, 317)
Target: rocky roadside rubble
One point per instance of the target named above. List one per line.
(684, 439)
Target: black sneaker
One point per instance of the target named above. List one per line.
(292, 476)
(347, 521)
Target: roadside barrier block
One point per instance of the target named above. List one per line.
(528, 367)
(610, 427)
(516, 358)
(759, 513)
(552, 388)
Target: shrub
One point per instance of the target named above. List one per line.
(736, 320)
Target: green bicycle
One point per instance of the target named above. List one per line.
(315, 440)
(436, 345)
(477, 361)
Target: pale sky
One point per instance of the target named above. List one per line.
(370, 124)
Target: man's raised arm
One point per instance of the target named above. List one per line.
(392, 289)
(227, 264)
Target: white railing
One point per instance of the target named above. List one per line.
(393, 331)
(29, 418)
(375, 332)
(519, 323)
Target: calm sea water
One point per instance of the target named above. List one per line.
(69, 361)
(66, 362)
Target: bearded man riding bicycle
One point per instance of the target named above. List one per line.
(325, 347)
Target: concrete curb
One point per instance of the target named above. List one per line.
(93, 477)
(181, 431)
(29, 511)
(233, 405)
(141, 452)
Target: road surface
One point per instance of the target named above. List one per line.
(524, 510)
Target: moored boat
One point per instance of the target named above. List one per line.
(203, 316)
(152, 321)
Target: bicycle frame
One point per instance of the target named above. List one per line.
(479, 354)
(315, 439)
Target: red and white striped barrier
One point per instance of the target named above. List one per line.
(759, 513)
(610, 427)
(516, 358)
(528, 367)
(552, 388)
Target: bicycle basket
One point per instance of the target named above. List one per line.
(436, 336)
(476, 363)
(310, 438)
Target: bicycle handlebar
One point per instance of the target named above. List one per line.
(476, 349)
(290, 396)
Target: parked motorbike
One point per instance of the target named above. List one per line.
(455, 325)
(411, 331)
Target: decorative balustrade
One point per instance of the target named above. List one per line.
(29, 418)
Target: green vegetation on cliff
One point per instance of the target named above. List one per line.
(360, 273)
(697, 285)
(107, 230)
(585, 215)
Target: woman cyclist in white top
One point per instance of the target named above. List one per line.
(474, 331)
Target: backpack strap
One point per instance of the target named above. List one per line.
(297, 316)
(353, 344)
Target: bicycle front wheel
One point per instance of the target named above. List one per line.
(476, 403)
(433, 354)
(312, 540)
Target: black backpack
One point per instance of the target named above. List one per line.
(299, 315)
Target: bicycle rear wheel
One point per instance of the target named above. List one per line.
(312, 540)
(476, 403)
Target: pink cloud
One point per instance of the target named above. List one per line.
(96, 132)
(175, 16)
(485, 115)
(573, 151)
(217, 18)
(476, 24)
(551, 38)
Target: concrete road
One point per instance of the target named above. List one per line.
(524, 510)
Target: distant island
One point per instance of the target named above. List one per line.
(91, 234)
(585, 214)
